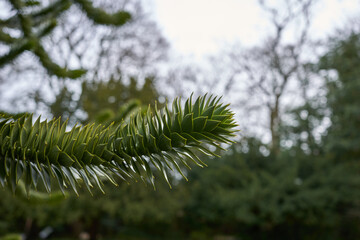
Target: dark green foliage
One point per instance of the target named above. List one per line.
(301, 132)
(343, 97)
(113, 96)
(163, 140)
(105, 101)
(127, 208)
(251, 196)
(63, 106)
(35, 22)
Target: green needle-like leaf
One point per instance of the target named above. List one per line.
(164, 140)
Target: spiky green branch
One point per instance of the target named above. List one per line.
(161, 140)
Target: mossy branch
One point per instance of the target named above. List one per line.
(162, 140)
(99, 16)
(31, 24)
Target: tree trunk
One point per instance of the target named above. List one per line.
(275, 128)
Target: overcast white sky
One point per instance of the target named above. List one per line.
(200, 27)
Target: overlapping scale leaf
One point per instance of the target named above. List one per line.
(87, 155)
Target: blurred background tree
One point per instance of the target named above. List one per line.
(128, 47)
(104, 99)
(343, 58)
